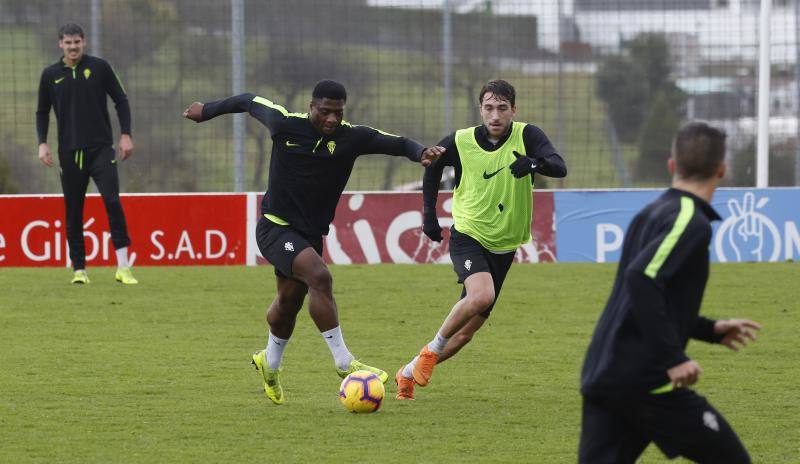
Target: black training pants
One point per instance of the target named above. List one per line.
(77, 166)
(680, 423)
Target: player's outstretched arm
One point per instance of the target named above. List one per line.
(736, 333)
(199, 112)
(374, 141)
(266, 112)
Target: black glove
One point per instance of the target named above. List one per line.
(522, 166)
(431, 227)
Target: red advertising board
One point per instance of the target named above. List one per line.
(205, 229)
(164, 229)
(387, 228)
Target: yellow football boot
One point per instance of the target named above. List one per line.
(125, 276)
(80, 277)
(356, 365)
(272, 379)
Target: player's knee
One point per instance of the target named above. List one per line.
(320, 280)
(481, 298)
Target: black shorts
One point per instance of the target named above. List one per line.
(470, 257)
(681, 423)
(280, 245)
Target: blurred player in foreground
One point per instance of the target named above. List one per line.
(636, 374)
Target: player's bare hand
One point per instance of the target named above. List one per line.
(44, 155)
(125, 147)
(736, 332)
(194, 112)
(684, 374)
(431, 154)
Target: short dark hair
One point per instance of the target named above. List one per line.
(499, 88)
(698, 150)
(327, 88)
(70, 29)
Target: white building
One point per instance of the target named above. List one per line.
(724, 29)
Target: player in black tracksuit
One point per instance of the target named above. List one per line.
(636, 372)
(312, 157)
(76, 87)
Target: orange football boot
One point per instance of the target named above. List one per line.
(405, 386)
(424, 367)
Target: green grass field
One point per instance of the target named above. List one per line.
(160, 373)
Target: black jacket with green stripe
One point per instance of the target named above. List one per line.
(654, 306)
(308, 170)
(78, 98)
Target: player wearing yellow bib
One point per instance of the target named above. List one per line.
(492, 204)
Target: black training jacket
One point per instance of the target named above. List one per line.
(78, 97)
(654, 306)
(308, 171)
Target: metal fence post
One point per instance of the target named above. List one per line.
(237, 87)
(447, 58)
(96, 17)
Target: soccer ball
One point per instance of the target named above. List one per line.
(361, 391)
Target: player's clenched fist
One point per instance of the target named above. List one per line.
(194, 112)
(684, 374)
(431, 154)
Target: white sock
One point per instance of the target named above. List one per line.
(335, 341)
(438, 343)
(409, 369)
(122, 257)
(274, 351)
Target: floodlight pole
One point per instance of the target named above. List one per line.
(560, 86)
(797, 84)
(237, 87)
(447, 59)
(762, 144)
(95, 18)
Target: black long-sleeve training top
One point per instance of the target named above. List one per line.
(537, 146)
(308, 170)
(654, 306)
(78, 98)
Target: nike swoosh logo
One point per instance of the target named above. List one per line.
(290, 144)
(489, 176)
(329, 336)
(58, 80)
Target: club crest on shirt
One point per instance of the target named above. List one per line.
(331, 146)
(710, 421)
(86, 73)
